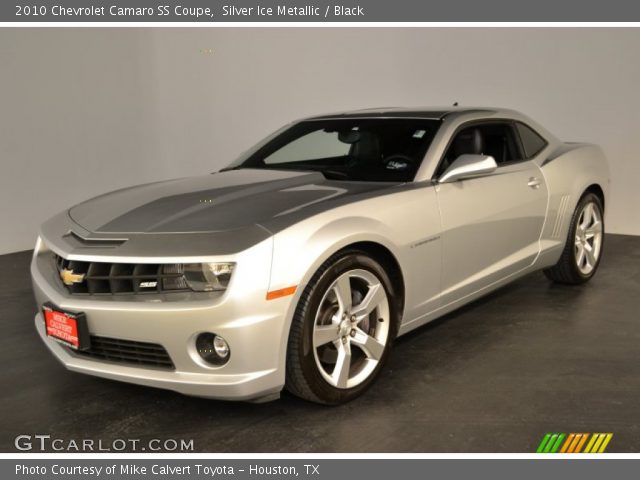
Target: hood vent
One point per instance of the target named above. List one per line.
(77, 241)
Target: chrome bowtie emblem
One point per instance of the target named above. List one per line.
(69, 278)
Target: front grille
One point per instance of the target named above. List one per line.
(127, 351)
(101, 278)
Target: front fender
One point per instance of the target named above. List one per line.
(400, 223)
(299, 253)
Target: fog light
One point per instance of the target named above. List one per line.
(213, 348)
(220, 346)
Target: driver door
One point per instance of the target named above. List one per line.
(491, 225)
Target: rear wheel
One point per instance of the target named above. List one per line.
(342, 331)
(581, 256)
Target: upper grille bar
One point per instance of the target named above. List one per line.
(103, 278)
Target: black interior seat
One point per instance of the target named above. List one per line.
(496, 147)
(366, 150)
(469, 141)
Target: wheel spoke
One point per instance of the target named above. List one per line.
(342, 289)
(593, 230)
(591, 258)
(368, 344)
(324, 334)
(592, 214)
(587, 216)
(374, 297)
(582, 221)
(340, 373)
(580, 255)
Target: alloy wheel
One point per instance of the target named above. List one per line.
(351, 328)
(588, 238)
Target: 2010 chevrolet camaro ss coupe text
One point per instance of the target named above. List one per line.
(298, 265)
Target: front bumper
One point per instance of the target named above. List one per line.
(249, 386)
(254, 328)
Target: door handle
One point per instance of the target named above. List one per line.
(534, 183)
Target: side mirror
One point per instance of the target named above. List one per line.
(468, 166)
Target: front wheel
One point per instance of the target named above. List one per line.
(581, 256)
(342, 331)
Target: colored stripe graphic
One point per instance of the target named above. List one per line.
(574, 443)
(604, 445)
(543, 443)
(598, 442)
(551, 443)
(568, 442)
(583, 439)
(556, 446)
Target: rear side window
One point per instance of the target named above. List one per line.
(531, 141)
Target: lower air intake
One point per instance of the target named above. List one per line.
(128, 352)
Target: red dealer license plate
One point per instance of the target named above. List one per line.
(66, 327)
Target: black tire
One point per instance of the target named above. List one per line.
(566, 270)
(303, 377)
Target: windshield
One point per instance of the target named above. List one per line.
(374, 150)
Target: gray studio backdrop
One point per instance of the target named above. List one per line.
(84, 111)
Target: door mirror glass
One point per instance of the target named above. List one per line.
(468, 166)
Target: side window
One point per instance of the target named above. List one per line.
(495, 139)
(531, 141)
(499, 141)
(315, 145)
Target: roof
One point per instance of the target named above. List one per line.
(432, 113)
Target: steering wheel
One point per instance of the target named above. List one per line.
(400, 159)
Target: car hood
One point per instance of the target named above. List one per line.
(219, 202)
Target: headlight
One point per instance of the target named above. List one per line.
(208, 277)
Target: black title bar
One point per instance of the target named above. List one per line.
(319, 11)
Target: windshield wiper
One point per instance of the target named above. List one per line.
(334, 175)
(228, 169)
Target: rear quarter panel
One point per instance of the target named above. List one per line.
(569, 171)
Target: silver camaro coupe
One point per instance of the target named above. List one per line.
(299, 264)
